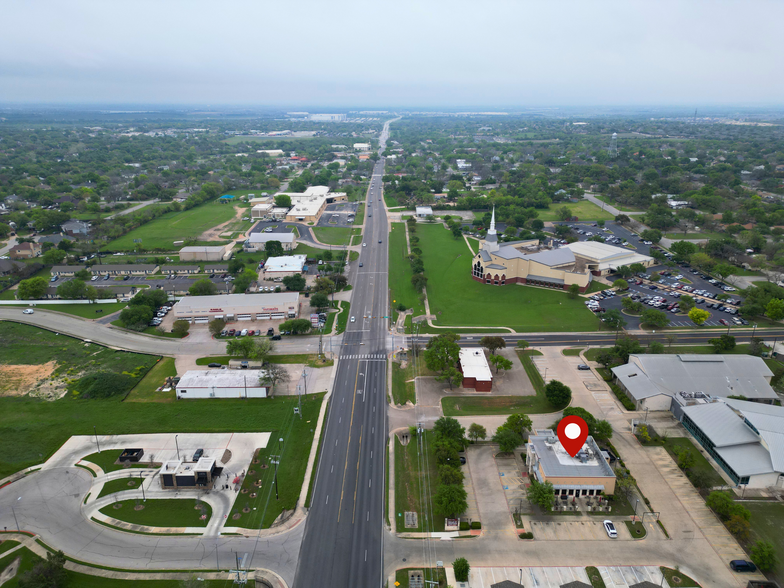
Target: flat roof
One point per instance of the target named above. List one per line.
(609, 255)
(221, 379)
(264, 237)
(203, 249)
(474, 364)
(236, 301)
(555, 462)
(285, 263)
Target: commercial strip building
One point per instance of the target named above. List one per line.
(745, 438)
(258, 241)
(222, 384)
(585, 474)
(286, 265)
(239, 307)
(199, 253)
(654, 381)
(476, 372)
(305, 207)
(526, 262)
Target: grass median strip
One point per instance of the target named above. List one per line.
(120, 485)
(410, 484)
(106, 461)
(161, 512)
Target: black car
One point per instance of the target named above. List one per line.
(741, 565)
(276, 337)
(126, 278)
(198, 454)
(214, 365)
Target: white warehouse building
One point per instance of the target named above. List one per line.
(222, 384)
(237, 307)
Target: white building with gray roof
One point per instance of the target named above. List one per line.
(745, 438)
(651, 381)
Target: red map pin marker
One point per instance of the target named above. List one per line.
(572, 433)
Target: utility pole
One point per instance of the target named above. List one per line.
(96, 439)
(276, 460)
(178, 446)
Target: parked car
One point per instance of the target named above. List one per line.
(582, 366)
(198, 454)
(741, 565)
(724, 322)
(276, 337)
(612, 533)
(213, 365)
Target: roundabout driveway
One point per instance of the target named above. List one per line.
(49, 503)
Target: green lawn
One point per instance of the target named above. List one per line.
(403, 390)
(678, 578)
(583, 210)
(458, 300)
(618, 205)
(106, 461)
(401, 290)
(8, 544)
(161, 512)
(595, 577)
(359, 217)
(636, 529)
(297, 434)
(334, 235)
(79, 580)
(767, 522)
(343, 316)
(145, 391)
(120, 485)
(573, 352)
(163, 231)
(409, 477)
(89, 311)
(154, 331)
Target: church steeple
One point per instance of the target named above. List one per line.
(491, 240)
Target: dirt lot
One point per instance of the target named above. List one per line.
(18, 380)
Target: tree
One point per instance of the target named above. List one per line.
(323, 285)
(739, 527)
(654, 318)
(557, 393)
(273, 375)
(683, 250)
(655, 347)
(53, 257)
(624, 271)
(573, 291)
(32, 289)
(442, 352)
(85, 275)
(448, 474)
(763, 554)
(476, 432)
(46, 574)
(500, 363)
(273, 248)
(180, 327)
(72, 289)
(520, 423)
(775, 309)
(723, 270)
(541, 494)
(446, 451)
(723, 343)
(136, 317)
(686, 303)
(614, 319)
(654, 235)
(507, 439)
(419, 281)
(236, 266)
(605, 358)
(294, 282)
(461, 568)
(452, 376)
(450, 500)
(244, 347)
(151, 298)
(522, 344)
(449, 428)
(621, 284)
(216, 326)
(622, 219)
(602, 430)
(563, 213)
(283, 201)
(203, 287)
(725, 507)
(319, 301)
(457, 232)
(295, 326)
(637, 268)
(626, 346)
(492, 344)
(698, 316)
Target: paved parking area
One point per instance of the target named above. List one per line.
(338, 214)
(539, 577)
(583, 529)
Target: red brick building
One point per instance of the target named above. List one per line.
(475, 369)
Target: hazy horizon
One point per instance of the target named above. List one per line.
(503, 55)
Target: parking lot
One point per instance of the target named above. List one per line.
(274, 226)
(609, 231)
(540, 577)
(339, 214)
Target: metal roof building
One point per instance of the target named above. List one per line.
(745, 438)
(222, 384)
(284, 265)
(652, 380)
(239, 307)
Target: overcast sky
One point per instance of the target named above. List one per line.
(427, 53)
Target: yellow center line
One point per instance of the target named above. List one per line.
(356, 484)
(345, 467)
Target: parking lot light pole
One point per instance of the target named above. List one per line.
(178, 446)
(96, 439)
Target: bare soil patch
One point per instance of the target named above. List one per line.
(214, 234)
(18, 380)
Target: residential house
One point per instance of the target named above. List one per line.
(25, 251)
(76, 228)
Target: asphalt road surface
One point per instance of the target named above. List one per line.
(343, 542)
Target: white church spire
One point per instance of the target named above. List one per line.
(491, 240)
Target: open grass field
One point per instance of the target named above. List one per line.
(145, 391)
(409, 477)
(583, 210)
(297, 434)
(619, 206)
(767, 522)
(161, 512)
(88, 311)
(402, 292)
(457, 300)
(163, 231)
(359, 217)
(335, 235)
(79, 580)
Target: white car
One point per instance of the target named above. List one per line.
(93, 278)
(612, 533)
(364, 244)
(353, 320)
(28, 311)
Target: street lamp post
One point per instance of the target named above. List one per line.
(178, 447)
(14, 512)
(754, 332)
(96, 439)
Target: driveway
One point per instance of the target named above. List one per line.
(489, 491)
